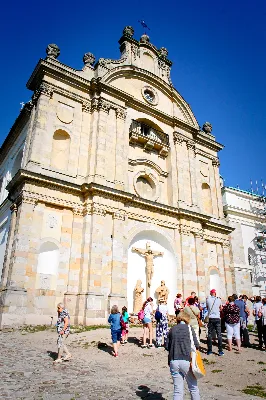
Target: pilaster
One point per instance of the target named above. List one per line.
(216, 164)
(121, 161)
(179, 147)
(189, 266)
(201, 280)
(192, 170)
(119, 278)
(103, 108)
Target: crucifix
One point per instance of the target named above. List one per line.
(149, 255)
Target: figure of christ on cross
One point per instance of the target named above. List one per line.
(149, 255)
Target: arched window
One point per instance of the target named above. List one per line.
(60, 150)
(206, 198)
(48, 259)
(17, 163)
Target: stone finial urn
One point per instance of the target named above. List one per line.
(207, 127)
(88, 59)
(144, 38)
(128, 31)
(52, 51)
(163, 51)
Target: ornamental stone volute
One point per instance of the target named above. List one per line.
(128, 31)
(89, 59)
(52, 51)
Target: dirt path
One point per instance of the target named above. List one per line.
(27, 371)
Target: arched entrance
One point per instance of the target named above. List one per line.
(165, 267)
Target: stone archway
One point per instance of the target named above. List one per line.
(165, 267)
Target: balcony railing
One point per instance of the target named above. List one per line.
(150, 138)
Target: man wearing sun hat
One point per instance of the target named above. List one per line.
(214, 306)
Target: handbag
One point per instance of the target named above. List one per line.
(197, 365)
(201, 324)
(207, 318)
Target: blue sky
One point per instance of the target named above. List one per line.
(218, 51)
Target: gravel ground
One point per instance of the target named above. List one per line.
(27, 370)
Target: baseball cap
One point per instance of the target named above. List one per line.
(213, 291)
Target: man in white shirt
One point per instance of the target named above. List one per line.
(257, 306)
(214, 306)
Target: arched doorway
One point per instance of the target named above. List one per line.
(165, 267)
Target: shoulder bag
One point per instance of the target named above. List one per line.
(197, 365)
(201, 324)
(207, 318)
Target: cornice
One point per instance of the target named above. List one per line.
(56, 69)
(241, 212)
(84, 191)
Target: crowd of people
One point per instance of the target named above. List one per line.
(191, 316)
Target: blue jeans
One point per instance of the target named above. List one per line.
(180, 370)
(214, 324)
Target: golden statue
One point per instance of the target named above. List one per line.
(162, 292)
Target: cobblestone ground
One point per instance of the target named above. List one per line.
(27, 370)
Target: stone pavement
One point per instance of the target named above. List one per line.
(27, 370)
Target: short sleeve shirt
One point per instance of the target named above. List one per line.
(257, 307)
(163, 309)
(147, 311)
(213, 307)
(60, 321)
(232, 313)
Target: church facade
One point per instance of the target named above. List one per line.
(99, 162)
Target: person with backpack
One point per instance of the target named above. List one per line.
(161, 324)
(146, 311)
(243, 320)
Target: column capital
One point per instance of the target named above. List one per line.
(45, 89)
(185, 230)
(178, 138)
(119, 214)
(78, 211)
(216, 162)
(86, 106)
(120, 113)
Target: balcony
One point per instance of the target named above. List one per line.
(149, 137)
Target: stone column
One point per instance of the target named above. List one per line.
(201, 284)
(179, 147)
(75, 298)
(103, 108)
(14, 294)
(229, 278)
(121, 160)
(220, 262)
(188, 260)
(42, 97)
(96, 305)
(9, 245)
(216, 164)
(119, 278)
(192, 171)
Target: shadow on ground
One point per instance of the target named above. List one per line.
(144, 392)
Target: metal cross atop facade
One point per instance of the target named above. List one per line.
(144, 25)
